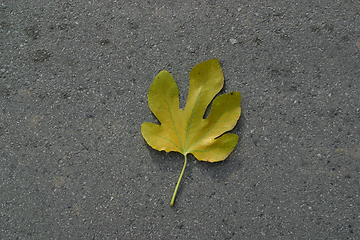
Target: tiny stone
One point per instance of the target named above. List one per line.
(233, 41)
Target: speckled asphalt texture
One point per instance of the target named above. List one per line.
(73, 93)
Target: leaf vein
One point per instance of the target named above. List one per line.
(209, 130)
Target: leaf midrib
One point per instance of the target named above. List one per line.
(186, 151)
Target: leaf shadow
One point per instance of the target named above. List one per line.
(171, 163)
(165, 161)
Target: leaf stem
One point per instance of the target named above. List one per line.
(178, 183)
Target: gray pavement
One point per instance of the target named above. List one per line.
(73, 92)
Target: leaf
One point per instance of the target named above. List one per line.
(186, 131)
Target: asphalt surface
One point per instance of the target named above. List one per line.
(73, 92)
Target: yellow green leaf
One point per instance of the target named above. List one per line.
(186, 131)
